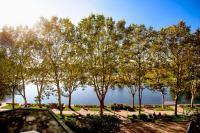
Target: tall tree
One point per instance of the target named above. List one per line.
(126, 73)
(194, 65)
(73, 77)
(176, 39)
(5, 85)
(73, 68)
(39, 73)
(55, 35)
(137, 53)
(98, 41)
(20, 55)
(157, 74)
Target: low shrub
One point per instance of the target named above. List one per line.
(143, 117)
(166, 108)
(196, 119)
(121, 107)
(93, 124)
(86, 106)
(55, 106)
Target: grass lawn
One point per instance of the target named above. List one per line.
(107, 108)
(166, 108)
(189, 109)
(10, 106)
(73, 108)
(19, 106)
(36, 106)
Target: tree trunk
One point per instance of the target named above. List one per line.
(59, 99)
(176, 104)
(139, 88)
(192, 101)
(69, 102)
(140, 102)
(133, 101)
(39, 101)
(25, 101)
(101, 107)
(13, 97)
(24, 93)
(163, 99)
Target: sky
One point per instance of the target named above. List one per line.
(155, 13)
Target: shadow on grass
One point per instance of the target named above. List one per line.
(114, 113)
(75, 111)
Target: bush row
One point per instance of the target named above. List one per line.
(93, 124)
(87, 106)
(152, 118)
(121, 107)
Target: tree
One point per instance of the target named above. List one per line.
(20, 55)
(193, 63)
(4, 78)
(38, 71)
(99, 50)
(127, 78)
(157, 74)
(9, 69)
(176, 39)
(55, 35)
(137, 53)
(126, 73)
(73, 76)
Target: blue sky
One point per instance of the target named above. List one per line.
(155, 13)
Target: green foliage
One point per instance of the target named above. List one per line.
(141, 117)
(10, 106)
(151, 118)
(58, 56)
(74, 108)
(166, 108)
(196, 119)
(121, 107)
(92, 123)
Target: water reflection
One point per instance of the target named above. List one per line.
(88, 96)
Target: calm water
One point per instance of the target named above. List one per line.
(88, 96)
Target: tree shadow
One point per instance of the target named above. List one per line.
(79, 114)
(113, 112)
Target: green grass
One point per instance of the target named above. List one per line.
(166, 108)
(73, 108)
(94, 109)
(18, 106)
(180, 118)
(10, 106)
(189, 109)
(172, 118)
(108, 108)
(36, 106)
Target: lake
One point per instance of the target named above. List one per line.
(88, 96)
